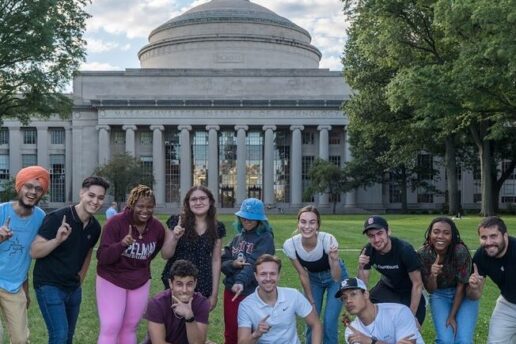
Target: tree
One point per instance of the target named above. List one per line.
(7, 190)
(124, 172)
(41, 46)
(326, 177)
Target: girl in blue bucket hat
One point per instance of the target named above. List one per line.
(254, 238)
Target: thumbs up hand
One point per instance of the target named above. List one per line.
(436, 268)
(363, 259)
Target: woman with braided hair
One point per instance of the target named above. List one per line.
(129, 242)
(446, 270)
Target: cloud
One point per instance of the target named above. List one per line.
(101, 46)
(99, 66)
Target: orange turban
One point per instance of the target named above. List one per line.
(33, 172)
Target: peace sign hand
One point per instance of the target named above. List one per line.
(5, 232)
(64, 231)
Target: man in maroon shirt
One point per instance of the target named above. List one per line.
(178, 315)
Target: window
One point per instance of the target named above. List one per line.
(394, 190)
(308, 137)
(172, 169)
(505, 166)
(57, 177)
(146, 165)
(335, 159)
(425, 197)
(254, 175)
(306, 165)
(227, 168)
(425, 166)
(4, 136)
(282, 166)
(118, 136)
(509, 199)
(335, 137)
(57, 136)
(30, 136)
(29, 160)
(4, 166)
(145, 138)
(200, 157)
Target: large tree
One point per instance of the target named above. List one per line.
(41, 46)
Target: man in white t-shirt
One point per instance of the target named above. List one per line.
(382, 323)
(269, 314)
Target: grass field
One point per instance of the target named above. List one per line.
(348, 231)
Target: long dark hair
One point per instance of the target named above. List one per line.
(188, 217)
(456, 240)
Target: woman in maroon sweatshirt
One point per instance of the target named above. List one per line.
(130, 240)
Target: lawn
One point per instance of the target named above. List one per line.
(348, 231)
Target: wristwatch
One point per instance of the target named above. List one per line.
(374, 340)
(192, 319)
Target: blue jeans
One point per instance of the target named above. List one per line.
(441, 301)
(60, 310)
(319, 282)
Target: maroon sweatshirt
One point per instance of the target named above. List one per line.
(128, 267)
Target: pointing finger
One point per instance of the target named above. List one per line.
(175, 299)
(266, 317)
(363, 251)
(130, 230)
(179, 221)
(7, 222)
(237, 294)
(64, 220)
(352, 329)
(437, 259)
(475, 269)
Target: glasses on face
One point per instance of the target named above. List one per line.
(201, 199)
(31, 187)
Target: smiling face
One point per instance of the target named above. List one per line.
(308, 224)
(440, 237)
(493, 241)
(199, 203)
(143, 210)
(183, 287)
(248, 225)
(92, 199)
(379, 239)
(30, 194)
(267, 276)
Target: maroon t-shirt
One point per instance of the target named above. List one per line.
(128, 267)
(159, 311)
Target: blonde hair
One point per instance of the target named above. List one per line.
(138, 192)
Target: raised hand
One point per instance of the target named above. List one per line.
(237, 288)
(64, 231)
(178, 231)
(5, 231)
(475, 280)
(128, 240)
(357, 337)
(334, 250)
(363, 259)
(436, 269)
(183, 309)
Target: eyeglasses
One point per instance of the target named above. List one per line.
(31, 187)
(201, 199)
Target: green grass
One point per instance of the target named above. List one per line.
(346, 228)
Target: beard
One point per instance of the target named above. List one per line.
(500, 247)
(27, 206)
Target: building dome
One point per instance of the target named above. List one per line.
(225, 34)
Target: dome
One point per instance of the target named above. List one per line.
(224, 34)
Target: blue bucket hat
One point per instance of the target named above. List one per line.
(252, 209)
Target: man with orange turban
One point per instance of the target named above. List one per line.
(20, 221)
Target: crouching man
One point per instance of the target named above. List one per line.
(178, 315)
(268, 315)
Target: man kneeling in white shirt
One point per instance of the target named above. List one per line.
(269, 314)
(382, 323)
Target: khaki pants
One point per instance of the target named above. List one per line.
(14, 309)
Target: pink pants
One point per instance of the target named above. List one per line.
(120, 310)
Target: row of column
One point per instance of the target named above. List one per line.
(296, 183)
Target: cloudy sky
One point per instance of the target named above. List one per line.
(118, 29)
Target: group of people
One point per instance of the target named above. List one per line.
(256, 309)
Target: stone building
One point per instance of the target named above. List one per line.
(229, 95)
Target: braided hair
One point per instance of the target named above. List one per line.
(138, 192)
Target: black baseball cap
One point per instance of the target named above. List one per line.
(350, 283)
(375, 222)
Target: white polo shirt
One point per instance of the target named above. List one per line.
(282, 316)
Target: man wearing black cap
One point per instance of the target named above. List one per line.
(384, 323)
(399, 266)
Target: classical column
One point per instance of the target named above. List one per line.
(351, 196)
(104, 144)
(241, 192)
(158, 163)
(296, 183)
(268, 165)
(130, 142)
(68, 164)
(324, 154)
(185, 177)
(213, 160)
(15, 143)
(42, 146)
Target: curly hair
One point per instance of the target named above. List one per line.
(183, 268)
(138, 192)
(188, 217)
(456, 240)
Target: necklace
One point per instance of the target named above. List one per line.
(371, 331)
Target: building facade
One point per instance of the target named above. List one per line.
(229, 95)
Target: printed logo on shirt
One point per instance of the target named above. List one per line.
(13, 246)
(386, 267)
(243, 246)
(141, 251)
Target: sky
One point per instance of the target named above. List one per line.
(118, 29)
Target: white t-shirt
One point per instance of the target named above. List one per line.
(324, 242)
(392, 323)
(282, 316)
